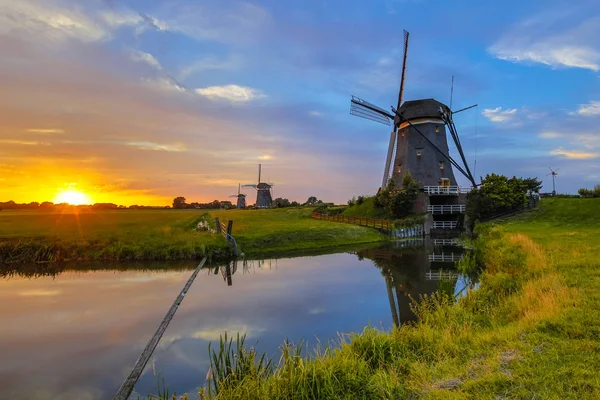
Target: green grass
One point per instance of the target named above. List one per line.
(367, 209)
(284, 230)
(531, 330)
(105, 235)
(37, 236)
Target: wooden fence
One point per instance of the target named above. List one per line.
(372, 222)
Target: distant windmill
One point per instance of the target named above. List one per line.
(553, 173)
(264, 198)
(418, 141)
(241, 198)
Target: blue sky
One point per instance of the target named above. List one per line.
(154, 99)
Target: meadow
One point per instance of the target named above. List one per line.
(49, 236)
(531, 329)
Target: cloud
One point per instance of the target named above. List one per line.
(556, 37)
(22, 142)
(497, 115)
(233, 93)
(216, 333)
(45, 131)
(550, 135)
(177, 147)
(590, 109)
(315, 113)
(209, 63)
(573, 154)
(140, 56)
(165, 84)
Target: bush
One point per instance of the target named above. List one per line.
(398, 203)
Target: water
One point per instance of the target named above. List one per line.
(77, 334)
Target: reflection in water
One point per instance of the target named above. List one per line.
(78, 330)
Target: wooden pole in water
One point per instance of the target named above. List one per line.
(127, 386)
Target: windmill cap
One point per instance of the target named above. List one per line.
(412, 109)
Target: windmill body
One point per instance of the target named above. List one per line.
(418, 145)
(241, 198)
(411, 152)
(264, 198)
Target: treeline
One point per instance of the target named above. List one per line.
(595, 192)
(181, 204)
(48, 205)
(498, 194)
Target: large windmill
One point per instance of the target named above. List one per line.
(418, 141)
(264, 198)
(554, 174)
(241, 198)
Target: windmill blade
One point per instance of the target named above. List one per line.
(404, 56)
(464, 109)
(233, 195)
(363, 109)
(252, 185)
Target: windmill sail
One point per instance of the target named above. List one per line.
(363, 109)
(404, 56)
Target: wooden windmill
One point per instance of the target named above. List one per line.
(241, 198)
(418, 141)
(264, 198)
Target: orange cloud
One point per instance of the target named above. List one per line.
(574, 154)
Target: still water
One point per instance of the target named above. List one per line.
(77, 334)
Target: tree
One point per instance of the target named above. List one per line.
(532, 184)
(281, 202)
(312, 200)
(496, 194)
(179, 202)
(398, 203)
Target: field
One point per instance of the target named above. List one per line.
(531, 330)
(269, 232)
(31, 235)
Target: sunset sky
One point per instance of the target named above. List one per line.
(140, 101)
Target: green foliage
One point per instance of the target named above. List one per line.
(497, 194)
(532, 184)
(398, 203)
(367, 209)
(312, 200)
(410, 221)
(583, 192)
(281, 202)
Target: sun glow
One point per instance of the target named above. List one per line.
(73, 197)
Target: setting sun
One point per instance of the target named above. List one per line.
(73, 197)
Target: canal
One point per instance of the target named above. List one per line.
(76, 332)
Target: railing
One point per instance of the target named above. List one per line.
(371, 222)
(446, 242)
(444, 224)
(225, 231)
(447, 209)
(445, 190)
(441, 275)
(445, 257)
(413, 231)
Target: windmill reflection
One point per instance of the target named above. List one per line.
(413, 268)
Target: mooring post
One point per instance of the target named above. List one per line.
(218, 225)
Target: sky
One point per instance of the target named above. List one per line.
(141, 101)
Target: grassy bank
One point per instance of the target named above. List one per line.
(38, 236)
(531, 330)
(276, 231)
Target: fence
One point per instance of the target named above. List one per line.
(447, 209)
(413, 231)
(226, 231)
(444, 224)
(372, 222)
(445, 257)
(445, 190)
(441, 275)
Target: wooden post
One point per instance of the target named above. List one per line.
(218, 225)
(229, 227)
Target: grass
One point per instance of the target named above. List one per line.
(38, 236)
(282, 230)
(531, 329)
(366, 209)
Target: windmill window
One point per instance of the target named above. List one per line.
(437, 128)
(441, 165)
(399, 169)
(419, 152)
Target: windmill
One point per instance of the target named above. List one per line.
(418, 142)
(264, 198)
(554, 174)
(241, 198)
